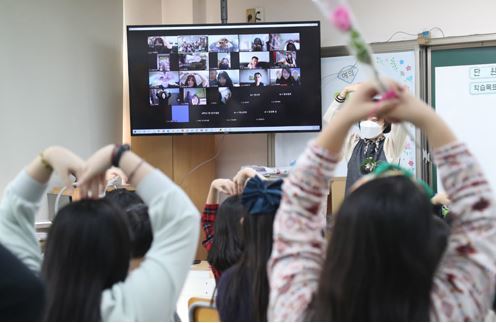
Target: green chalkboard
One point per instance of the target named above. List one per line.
(457, 57)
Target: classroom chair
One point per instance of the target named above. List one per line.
(202, 310)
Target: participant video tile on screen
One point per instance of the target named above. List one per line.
(227, 78)
(249, 60)
(225, 95)
(285, 76)
(289, 41)
(224, 61)
(192, 44)
(193, 61)
(223, 43)
(163, 62)
(164, 97)
(254, 78)
(162, 44)
(195, 96)
(180, 113)
(158, 79)
(284, 58)
(194, 79)
(253, 42)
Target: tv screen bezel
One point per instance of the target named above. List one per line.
(184, 131)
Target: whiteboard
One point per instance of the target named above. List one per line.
(466, 100)
(337, 72)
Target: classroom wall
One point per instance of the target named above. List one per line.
(60, 78)
(136, 12)
(379, 19)
(455, 18)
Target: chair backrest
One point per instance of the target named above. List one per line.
(202, 310)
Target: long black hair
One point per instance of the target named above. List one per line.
(87, 251)
(137, 219)
(227, 247)
(123, 198)
(190, 77)
(385, 247)
(140, 229)
(223, 74)
(251, 271)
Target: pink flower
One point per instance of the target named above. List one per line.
(341, 18)
(390, 94)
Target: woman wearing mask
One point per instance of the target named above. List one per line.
(364, 150)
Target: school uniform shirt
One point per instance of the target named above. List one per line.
(464, 283)
(208, 221)
(150, 292)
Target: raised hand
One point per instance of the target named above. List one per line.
(409, 108)
(224, 185)
(362, 105)
(358, 107)
(92, 181)
(241, 177)
(349, 89)
(64, 163)
(115, 172)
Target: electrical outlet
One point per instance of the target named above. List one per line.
(250, 15)
(259, 15)
(254, 15)
(424, 38)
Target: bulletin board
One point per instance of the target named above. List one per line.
(398, 61)
(463, 92)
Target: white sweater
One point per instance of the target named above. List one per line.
(150, 292)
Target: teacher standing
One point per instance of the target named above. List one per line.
(376, 141)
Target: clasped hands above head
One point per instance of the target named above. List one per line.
(90, 174)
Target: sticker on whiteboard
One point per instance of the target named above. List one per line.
(483, 88)
(348, 73)
(483, 72)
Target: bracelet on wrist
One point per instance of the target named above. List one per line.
(133, 172)
(339, 98)
(117, 153)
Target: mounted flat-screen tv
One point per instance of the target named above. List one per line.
(229, 78)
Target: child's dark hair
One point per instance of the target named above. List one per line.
(137, 219)
(385, 247)
(261, 200)
(87, 251)
(140, 230)
(387, 127)
(251, 271)
(226, 245)
(123, 198)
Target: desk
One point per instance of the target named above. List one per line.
(199, 283)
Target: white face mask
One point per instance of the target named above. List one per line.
(369, 129)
